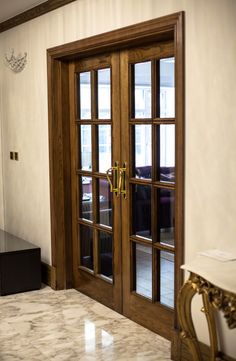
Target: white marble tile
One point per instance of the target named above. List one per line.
(67, 325)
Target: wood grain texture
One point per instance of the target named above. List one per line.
(65, 114)
(58, 179)
(33, 13)
(95, 288)
(180, 152)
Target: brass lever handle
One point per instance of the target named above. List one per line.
(122, 181)
(109, 174)
(113, 170)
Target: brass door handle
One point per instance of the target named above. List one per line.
(113, 171)
(118, 186)
(122, 181)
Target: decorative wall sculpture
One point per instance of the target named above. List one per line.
(16, 63)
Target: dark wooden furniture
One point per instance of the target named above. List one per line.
(20, 265)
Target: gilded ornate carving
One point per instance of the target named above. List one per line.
(220, 299)
(213, 297)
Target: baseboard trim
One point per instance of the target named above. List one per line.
(180, 351)
(48, 274)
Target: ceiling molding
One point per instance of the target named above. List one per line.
(33, 13)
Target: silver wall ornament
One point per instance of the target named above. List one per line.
(16, 63)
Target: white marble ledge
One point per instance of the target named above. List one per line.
(220, 274)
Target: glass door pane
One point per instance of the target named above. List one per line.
(84, 87)
(167, 88)
(86, 198)
(104, 93)
(142, 90)
(104, 147)
(141, 210)
(106, 254)
(143, 150)
(167, 279)
(86, 247)
(105, 203)
(143, 270)
(166, 216)
(86, 147)
(166, 152)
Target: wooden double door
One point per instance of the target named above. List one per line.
(123, 132)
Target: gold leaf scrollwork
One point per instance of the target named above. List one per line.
(215, 296)
(200, 285)
(220, 299)
(229, 309)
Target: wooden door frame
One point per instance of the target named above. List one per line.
(156, 30)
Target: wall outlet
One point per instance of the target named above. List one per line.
(14, 155)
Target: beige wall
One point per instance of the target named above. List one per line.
(210, 117)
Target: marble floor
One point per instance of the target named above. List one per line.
(67, 325)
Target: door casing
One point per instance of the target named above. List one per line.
(156, 30)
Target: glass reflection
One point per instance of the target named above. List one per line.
(105, 203)
(106, 254)
(107, 339)
(167, 153)
(143, 151)
(95, 337)
(167, 88)
(166, 216)
(143, 267)
(167, 279)
(104, 93)
(86, 247)
(141, 207)
(87, 198)
(85, 95)
(104, 147)
(142, 90)
(86, 147)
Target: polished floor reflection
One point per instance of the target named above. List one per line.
(66, 325)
